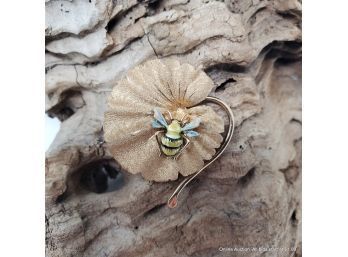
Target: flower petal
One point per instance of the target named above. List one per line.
(119, 129)
(210, 121)
(164, 83)
(190, 161)
(135, 155)
(161, 170)
(191, 86)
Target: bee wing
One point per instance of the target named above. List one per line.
(156, 124)
(193, 124)
(191, 133)
(159, 119)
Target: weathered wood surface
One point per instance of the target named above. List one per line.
(251, 197)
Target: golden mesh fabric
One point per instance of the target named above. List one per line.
(166, 85)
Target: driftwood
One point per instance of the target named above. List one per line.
(250, 197)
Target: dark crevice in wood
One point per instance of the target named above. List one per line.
(62, 197)
(293, 120)
(293, 15)
(293, 44)
(286, 61)
(231, 67)
(293, 218)
(243, 181)
(101, 177)
(154, 4)
(224, 84)
(154, 209)
(117, 18)
(70, 101)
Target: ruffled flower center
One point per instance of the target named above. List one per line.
(180, 114)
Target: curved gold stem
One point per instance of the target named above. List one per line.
(173, 199)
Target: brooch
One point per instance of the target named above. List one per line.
(158, 123)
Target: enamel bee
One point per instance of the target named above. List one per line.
(175, 136)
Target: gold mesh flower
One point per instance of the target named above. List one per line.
(175, 90)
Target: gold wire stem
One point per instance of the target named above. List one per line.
(173, 199)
